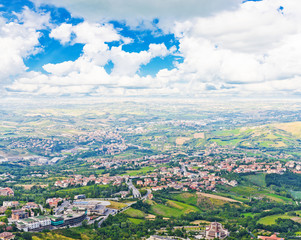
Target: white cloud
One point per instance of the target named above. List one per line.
(96, 50)
(31, 19)
(62, 33)
(126, 63)
(84, 76)
(18, 40)
(251, 50)
(256, 26)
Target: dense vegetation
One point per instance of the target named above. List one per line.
(287, 180)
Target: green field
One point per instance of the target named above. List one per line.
(296, 194)
(188, 198)
(135, 220)
(269, 220)
(141, 171)
(172, 209)
(134, 213)
(257, 179)
(245, 191)
(265, 136)
(278, 198)
(249, 214)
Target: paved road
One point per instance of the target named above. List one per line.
(135, 191)
(184, 169)
(107, 213)
(61, 208)
(146, 195)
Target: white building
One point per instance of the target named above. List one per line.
(29, 224)
(43, 220)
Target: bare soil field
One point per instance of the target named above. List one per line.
(182, 140)
(218, 197)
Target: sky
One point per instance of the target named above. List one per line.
(139, 48)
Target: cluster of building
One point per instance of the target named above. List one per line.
(114, 164)
(6, 176)
(34, 160)
(237, 165)
(100, 136)
(294, 166)
(67, 215)
(37, 145)
(180, 178)
(39, 223)
(215, 230)
(83, 181)
(194, 174)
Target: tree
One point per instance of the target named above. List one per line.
(26, 236)
(85, 223)
(8, 213)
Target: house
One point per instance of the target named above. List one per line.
(82, 196)
(6, 236)
(10, 204)
(139, 182)
(19, 214)
(273, 237)
(150, 196)
(53, 202)
(2, 210)
(30, 205)
(6, 192)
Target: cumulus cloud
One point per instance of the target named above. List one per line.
(126, 63)
(62, 33)
(241, 52)
(255, 27)
(18, 40)
(252, 50)
(95, 37)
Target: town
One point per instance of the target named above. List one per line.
(151, 177)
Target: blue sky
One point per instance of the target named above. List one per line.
(196, 49)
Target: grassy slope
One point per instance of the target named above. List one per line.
(134, 213)
(275, 136)
(294, 128)
(172, 209)
(269, 220)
